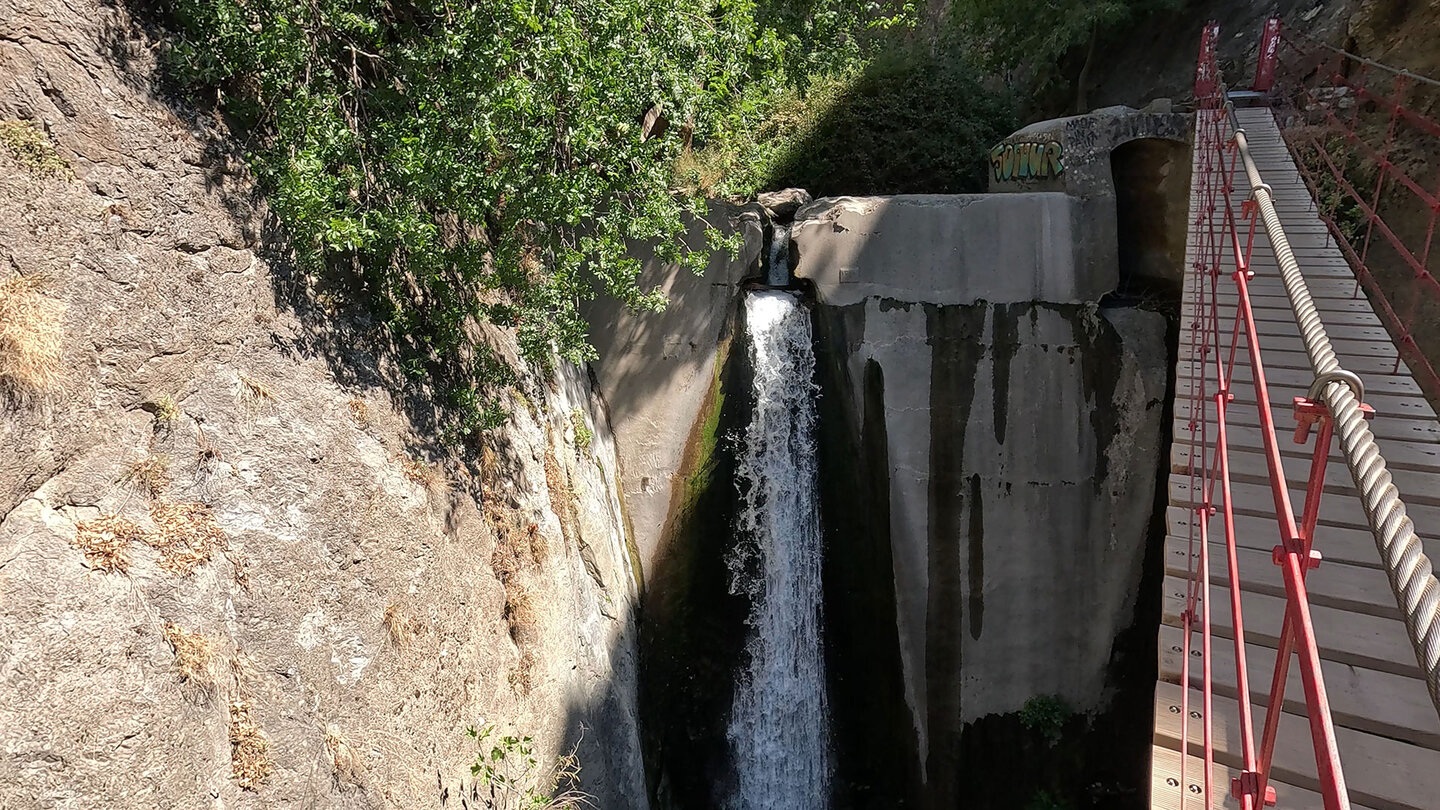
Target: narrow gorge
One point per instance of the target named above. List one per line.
(868, 516)
(990, 378)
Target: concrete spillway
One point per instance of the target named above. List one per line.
(988, 431)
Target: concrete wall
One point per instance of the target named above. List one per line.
(1081, 146)
(1022, 430)
(656, 369)
(1015, 247)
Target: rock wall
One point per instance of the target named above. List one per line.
(235, 571)
(657, 371)
(1010, 433)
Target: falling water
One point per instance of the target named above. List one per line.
(778, 726)
(779, 274)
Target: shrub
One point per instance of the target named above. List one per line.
(510, 776)
(31, 336)
(451, 165)
(583, 434)
(28, 144)
(1046, 714)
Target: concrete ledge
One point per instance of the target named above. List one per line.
(949, 249)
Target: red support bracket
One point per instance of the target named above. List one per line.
(1277, 556)
(1248, 784)
(1309, 413)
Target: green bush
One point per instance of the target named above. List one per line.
(510, 776)
(1046, 714)
(444, 164)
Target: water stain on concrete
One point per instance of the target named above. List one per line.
(954, 334)
(976, 602)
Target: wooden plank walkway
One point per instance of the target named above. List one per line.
(1388, 732)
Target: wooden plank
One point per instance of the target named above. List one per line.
(1393, 384)
(1256, 499)
(1363, 699)
(1337, 332)
(1382, 773)
(1165, 786)
(1420, 456)
(1333, 584)
(1348, 638)
(1395, 388)
(1273, 306)
(1361, 365)
(1370, 349)
(1282, 398)
(1415, 486)
(1354, 547)
(1384, 426)
(1332, 287)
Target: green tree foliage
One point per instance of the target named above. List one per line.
(1040, 34)
(457, 163)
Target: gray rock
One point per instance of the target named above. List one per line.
(783, 204)
(354, 604)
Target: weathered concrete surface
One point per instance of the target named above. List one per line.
(1085, 147)
(1085, 143)
(354, 604)
(949, 249)
(1022, 441)
(656, 369)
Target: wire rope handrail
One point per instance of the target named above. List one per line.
(1223, 235)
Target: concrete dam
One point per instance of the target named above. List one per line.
(974, 410)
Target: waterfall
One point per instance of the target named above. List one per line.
(778, 730)
(779, 269)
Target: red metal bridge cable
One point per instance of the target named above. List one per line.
(1309, 66)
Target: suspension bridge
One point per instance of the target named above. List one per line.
(1300, 643)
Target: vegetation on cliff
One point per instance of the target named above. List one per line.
(445, 165)
(490, 162)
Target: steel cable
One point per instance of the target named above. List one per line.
(1411, 574)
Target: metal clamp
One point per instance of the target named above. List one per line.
(1269, 191)
(1338, 375)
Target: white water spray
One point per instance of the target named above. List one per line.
(779, 270)
(778, 723)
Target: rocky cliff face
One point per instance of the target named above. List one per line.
(235, 571)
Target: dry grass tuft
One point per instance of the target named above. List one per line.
(345, 763)
(31, 148)
(521, 614)
(105, 541)
(186, 535)
(249, 747)
(150, 477)
(31, 336)
(360, 412)
(426, 475)
(524, 621)
(398, 626)
(562, 496)
(254, 394)
(518, 551)
(244, 670)
(194, 654)
(701, 172)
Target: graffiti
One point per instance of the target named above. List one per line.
(1020, 161)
